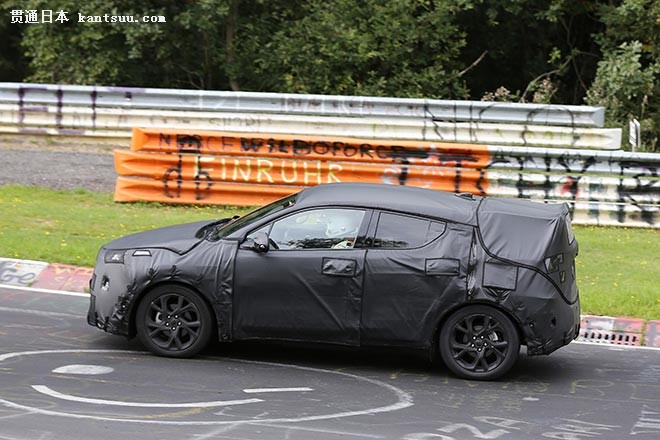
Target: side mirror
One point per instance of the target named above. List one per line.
(261, 242)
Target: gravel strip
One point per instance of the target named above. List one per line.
(58, 170)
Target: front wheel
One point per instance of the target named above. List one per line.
(479, 342)
(174, 321)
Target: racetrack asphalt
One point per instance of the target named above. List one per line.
(63, 379)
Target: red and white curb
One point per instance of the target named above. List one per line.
(39, 276)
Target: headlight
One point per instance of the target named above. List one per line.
(114, 257)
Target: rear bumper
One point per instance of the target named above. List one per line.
(553, 329)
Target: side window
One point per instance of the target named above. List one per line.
(403, 231)
(265, 228)
(318, 229)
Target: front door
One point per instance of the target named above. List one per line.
(308, 285)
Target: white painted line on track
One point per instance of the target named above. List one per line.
(276, 390)
(39, 313)
(38, 290)
(403, 399)
(615, 346)
(43, 389)
(4, 357)
(317, 430)
(83, 369)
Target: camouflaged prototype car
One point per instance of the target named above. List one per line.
(356, 264)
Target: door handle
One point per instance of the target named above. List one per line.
(339, 267)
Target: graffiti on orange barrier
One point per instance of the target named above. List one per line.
(133, 189)
(208, 157)
(205, 170)
(311, 148)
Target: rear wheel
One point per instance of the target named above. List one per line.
(174, 321)
(479, 342)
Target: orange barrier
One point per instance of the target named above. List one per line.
(239, 169)
(188, 167)
(323, 148)
(130, 189)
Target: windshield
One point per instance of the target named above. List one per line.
(253, 216)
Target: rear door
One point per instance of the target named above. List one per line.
(415, 267)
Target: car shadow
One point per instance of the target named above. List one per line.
(380, 360)
(322, 356)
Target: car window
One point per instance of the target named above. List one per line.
(404, 231)
(317, 229)
(254, 216)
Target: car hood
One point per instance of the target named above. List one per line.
(178, 238)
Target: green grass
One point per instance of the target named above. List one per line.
(70, 226)
(618, 269)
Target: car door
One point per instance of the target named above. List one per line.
(308, 285)
(415, 267)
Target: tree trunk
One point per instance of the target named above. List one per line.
(232, 19)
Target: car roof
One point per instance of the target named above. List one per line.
(432, 203)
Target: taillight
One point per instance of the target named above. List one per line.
(552, 263)
(569, 229)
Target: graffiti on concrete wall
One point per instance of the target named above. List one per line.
(570, 177)
(600, 187)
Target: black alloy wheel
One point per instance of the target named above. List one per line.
(479, 342)
(174, 321)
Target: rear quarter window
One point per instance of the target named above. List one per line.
(399, 231)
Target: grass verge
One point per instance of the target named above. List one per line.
(618, 268)
(71, 226)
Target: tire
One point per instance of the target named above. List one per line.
(479, 343)
(174, 321)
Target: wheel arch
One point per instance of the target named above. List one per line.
(446, 314)
(132, 328)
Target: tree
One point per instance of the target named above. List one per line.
(13, 65)
(626, 82)
(539, 50)
(400, 48)
(550, 51)
(185, 52)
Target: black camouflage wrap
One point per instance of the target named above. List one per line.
(499, 252)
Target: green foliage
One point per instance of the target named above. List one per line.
(626, 89)
(184, 52)
(626, 82)
(540, 50)
(372, 47)
(12, 62)
(545, 51)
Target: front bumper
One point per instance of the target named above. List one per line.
(111, 299)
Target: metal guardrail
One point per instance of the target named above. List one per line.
(117, 123)
(110, 112)
(479, 147)
(35, 95)
(208, 167)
